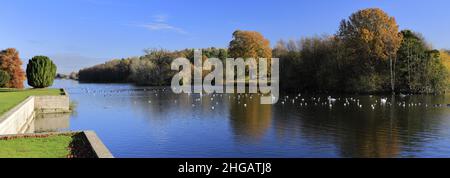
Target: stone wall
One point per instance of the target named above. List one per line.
(51, 104)
(16, 120)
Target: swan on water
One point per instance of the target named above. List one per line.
(383, 100)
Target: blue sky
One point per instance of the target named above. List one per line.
(80, 33)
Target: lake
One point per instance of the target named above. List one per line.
(153, 122)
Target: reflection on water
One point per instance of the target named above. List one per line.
(154, 122)
(49, 123)
(249, 119)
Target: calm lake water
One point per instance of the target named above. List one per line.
(153, 122)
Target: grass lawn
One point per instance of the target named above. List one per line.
(11, 97)
(56, 146)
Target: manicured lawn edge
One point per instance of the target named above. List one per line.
(10, 98)
(84, 144)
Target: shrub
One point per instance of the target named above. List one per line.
(41, 72)
(4, 78)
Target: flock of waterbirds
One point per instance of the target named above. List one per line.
(245, 99)
(372, 102)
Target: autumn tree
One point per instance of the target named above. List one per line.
(4, 78)
(249, 44)
(11, 63)
(445, 58)
(371, 39)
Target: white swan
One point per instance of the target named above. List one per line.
(383, 101)
(331, 100)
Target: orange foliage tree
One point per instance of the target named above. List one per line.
(372, 39)
(11, 63)
(249, 44)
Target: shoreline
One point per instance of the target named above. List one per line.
(288, 91)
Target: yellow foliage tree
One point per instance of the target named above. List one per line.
(371, 39)
(445, 58)
(249, 44)
(371, 33)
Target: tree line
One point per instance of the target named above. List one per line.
(367, 54)
(152, 69)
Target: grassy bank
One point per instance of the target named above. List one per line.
(56, 146)
(11, 97)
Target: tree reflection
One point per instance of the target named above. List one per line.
(389, 131)
(249, 119)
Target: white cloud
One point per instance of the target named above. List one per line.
(163, 26)
(160, 24)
